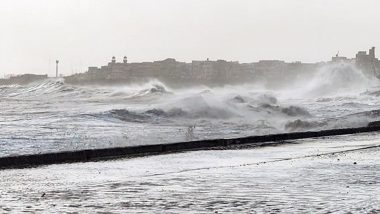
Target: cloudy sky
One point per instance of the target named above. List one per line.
(82, 33)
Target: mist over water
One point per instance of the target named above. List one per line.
(338, 80)
(50, 115)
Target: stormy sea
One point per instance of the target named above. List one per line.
(49, 115)
(330, 174)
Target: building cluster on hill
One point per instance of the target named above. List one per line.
(210, 72)
(176, 73)
(207, 72)
(366, 62)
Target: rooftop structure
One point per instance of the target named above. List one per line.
(338, 58)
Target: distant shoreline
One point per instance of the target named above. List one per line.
(207, 72)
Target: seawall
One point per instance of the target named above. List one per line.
(33, 160)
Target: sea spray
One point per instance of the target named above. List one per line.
(39, 114)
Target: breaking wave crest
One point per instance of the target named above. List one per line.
(37, 88)
(154, 114)
(211, 107)
(151, 88)
(57, 87)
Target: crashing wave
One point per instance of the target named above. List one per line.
(41, 87)
(174, 113)
(292, 111)
(149, 89)
(303, 125)
(154, 89)
(337, 79)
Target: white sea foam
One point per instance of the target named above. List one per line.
(52, 115)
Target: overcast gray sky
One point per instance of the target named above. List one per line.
(84, 33)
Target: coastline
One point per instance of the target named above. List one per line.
(35, 160)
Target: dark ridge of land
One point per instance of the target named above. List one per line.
(22, 79)
(34, 160)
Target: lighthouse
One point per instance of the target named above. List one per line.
(56, 68)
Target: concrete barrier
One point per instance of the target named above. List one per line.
(123, 152)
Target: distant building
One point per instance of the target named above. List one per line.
(368, 62)
(271, 62)
(339, 59)
(93, 69)
(372, 52)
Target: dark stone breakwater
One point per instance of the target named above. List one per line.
(34, 160)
